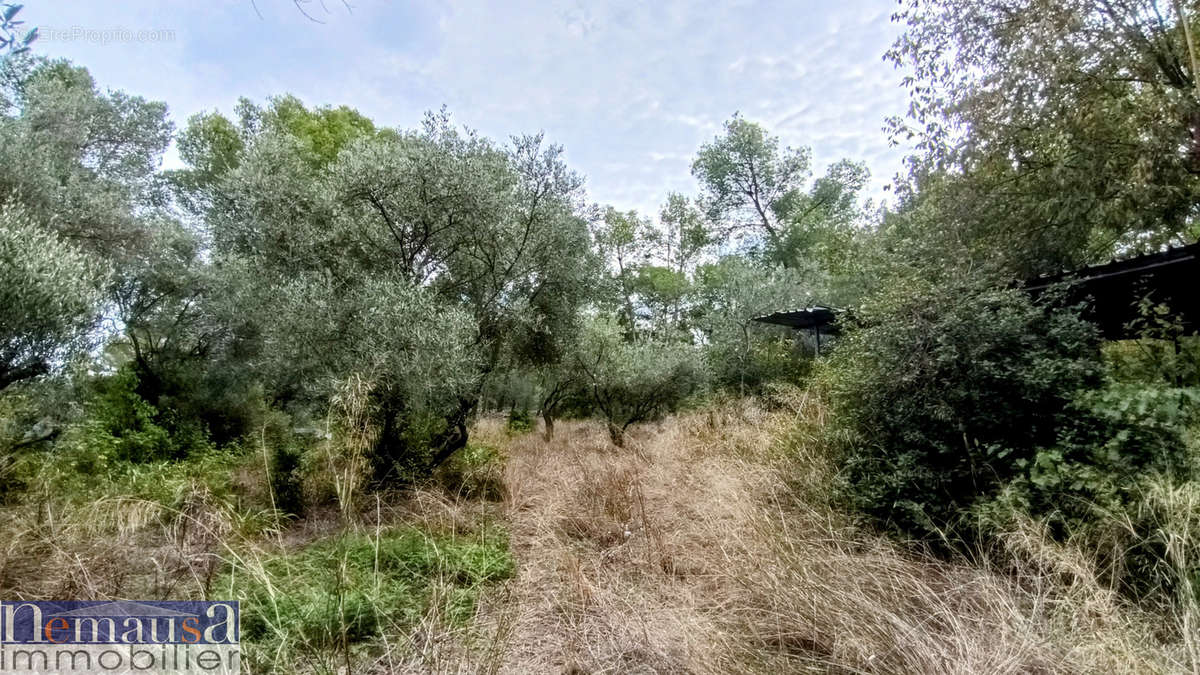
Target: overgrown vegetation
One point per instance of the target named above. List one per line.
(263, 375)
(336, 602)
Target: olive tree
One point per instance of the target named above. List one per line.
(416, 353)
(49, 297)
(636, 381)
(481, 230)
(80, 161)
(731, 293)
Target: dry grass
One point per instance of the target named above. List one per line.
(709, 545)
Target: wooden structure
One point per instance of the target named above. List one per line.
(1113, 291)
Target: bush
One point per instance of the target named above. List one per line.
(286, 480)
(120, 425)
(945, 394)
(475, 472)
(519, 421)
(769, 358)
(1116, 436)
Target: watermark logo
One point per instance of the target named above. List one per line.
(42, 637)
(104, 36)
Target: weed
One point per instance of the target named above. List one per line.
(341, 599)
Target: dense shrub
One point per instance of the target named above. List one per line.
(120, 425)
(766, 359)
(944, 394)
(475, 472)
(287, 483)
(519, 420)
(1116, 436)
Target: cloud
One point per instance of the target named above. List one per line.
(631, 89)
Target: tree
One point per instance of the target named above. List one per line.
(49, 297)
(477, 228)
(638, 381)
(823, 223)
(684, 234)
(623, 240)
(81, 161)
(81, 166)
(13, 38)
(557, 383)
(324, 130)
(417, 354)
(747, 179)
(1051, 134)
(756, 189)
(211, 146)
(731, 293)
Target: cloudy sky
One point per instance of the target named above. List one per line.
(631, 89)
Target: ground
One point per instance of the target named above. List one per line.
(710, 544)
(623, 554)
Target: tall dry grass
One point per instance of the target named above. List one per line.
(711, 545)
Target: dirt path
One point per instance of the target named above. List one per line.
(624, 556)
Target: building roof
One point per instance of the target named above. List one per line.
(817, 316)
(1112, 291)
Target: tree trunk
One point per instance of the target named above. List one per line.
(389, 447)
(455, 437)
(548, 418)
(25, 372)
(449, 442)
(617, 434)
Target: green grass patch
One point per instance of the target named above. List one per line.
(475, 472)
(358, 588)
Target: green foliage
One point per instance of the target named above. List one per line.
(747, 177)
(743, 354)
(475, 472)
(48, 296)
(360, 589)
(685, 234)
(1163, 351)
(417, 353)
(286, 479)
(212, 146)
(73, 473)
(14, 39)
(624, 240)
(631, 382)
(324, 131)
(1117, 435)
(755, 190)
(945, 393)
(519, 421)
(91, 178)
(119, 425)
(1050, 133)
(419, 259)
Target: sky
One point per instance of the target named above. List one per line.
(630, 89)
